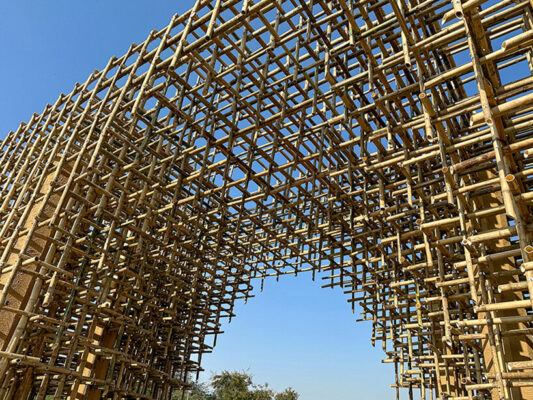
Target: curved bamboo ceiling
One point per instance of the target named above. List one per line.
(383, 143)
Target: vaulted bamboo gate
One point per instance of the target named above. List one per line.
(386, 144)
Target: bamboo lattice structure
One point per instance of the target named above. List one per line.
(387, 144)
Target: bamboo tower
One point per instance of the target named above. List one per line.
(385, 144)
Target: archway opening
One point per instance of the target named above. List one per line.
(294, 333)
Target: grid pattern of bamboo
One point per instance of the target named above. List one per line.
(385, 144)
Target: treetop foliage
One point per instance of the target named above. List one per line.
(235, 385)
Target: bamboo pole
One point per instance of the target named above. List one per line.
(249, 140)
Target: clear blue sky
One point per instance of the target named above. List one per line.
(294, 333)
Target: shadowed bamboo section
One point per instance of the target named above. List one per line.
(383, 146)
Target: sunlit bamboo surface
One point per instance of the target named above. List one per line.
(385, 146)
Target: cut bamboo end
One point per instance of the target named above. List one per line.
(517, 41)
(509, 107)
(520, 365)
(527, 266)
(513, 183)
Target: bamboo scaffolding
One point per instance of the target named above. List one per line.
(382, 146)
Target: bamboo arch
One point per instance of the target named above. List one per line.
(386, 143)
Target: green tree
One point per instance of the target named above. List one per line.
(288, 394)
(234, 386)
(200, 392)
(262, 394)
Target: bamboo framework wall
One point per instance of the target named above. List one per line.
(384, 143)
